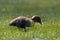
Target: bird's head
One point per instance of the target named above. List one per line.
(37, 19)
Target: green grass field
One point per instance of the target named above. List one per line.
(48, 10)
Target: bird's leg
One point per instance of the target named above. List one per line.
(25, 29)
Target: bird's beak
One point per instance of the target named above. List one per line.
(41, 22)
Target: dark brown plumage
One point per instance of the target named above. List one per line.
(23, 22)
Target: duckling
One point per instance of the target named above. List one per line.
(23, 22)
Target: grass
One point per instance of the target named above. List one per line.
(48, 10)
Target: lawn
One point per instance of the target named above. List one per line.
(48, 10)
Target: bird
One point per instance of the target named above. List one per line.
(23, 22)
